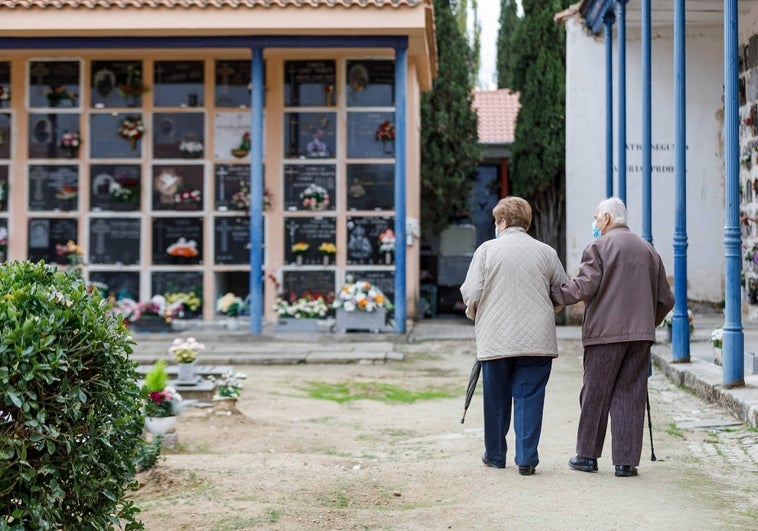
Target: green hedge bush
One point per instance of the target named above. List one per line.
(70, 416)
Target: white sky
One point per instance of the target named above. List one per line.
(489, 16)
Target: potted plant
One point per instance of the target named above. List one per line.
(162, 403)
(717, 340)
(361, 305)
(301, 313)
(230, 306)
(185, 353)
(228, 389)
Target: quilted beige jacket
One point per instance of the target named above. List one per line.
(507, 294)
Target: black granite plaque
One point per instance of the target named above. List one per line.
(106, 142)
(311, 231)
(4, 188)
(178, 135)
(232, 88)
(5, 135)
(229, 178)
(370, 135)
(370, 83)
(54, 84)
(312, 282)
(370, 186)
(363, 245)
(178, 84)
(177, 241)
(120, 284)
(3, 239)
(309, 83)
(5, 84)
(115, 187)
(114, 240)
(310, 135)
(53, 187)
(178, 187)
(117, 84)
(232, 241)
(163, 282)
(46, 233)
(309, 186)
(50, 136)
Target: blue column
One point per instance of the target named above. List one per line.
(734, 340)
(622, 98)
(680, 329)
(647, 128)
(608, 19)
(401, 69)
(256, 193)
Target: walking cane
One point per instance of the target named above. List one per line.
(650, 428)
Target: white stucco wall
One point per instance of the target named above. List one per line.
(585, 149)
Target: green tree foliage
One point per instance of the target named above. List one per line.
(537, 163)
(508, 22)
(462, 11)
(70, 420)
(449, 138)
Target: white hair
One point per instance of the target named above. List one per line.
(613, 206)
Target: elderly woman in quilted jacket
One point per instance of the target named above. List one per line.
(507, 295)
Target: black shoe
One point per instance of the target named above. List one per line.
(526, 470)
(487, 462)
(585, 464)
(626, 471)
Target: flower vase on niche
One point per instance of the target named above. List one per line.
(387, 147)
(186, 372)
(232, 323)
(325, 260)
(388, 258)
(299, 259)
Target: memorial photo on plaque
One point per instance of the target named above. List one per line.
(299, 283)
(177, 241)
(310, 186)
(178, 84)
(115, 240)
(232, 240)
(370, 135)
(370, 186)
(4, 188)
(54, 136)
(178, 187)
(370, 83)
(5, 84)
(370, 241)
(231, 132)
(115, 187)
(304, 236)
(117, 84)
(178, 135)
(3, 240)
(54, 84)
(309, 135)
(115, 136)
(118, 284)
(45, 234)
(383, 279)
(310, 83)
(53, 187)
(5, 136)
(232, 86)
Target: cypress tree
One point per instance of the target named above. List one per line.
(508, 22)
(449, 138)
(537, 163)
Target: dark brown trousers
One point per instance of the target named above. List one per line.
(615, 383)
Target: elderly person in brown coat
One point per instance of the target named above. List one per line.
(622, 281)
(507, 294)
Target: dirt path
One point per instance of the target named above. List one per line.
(294, 462)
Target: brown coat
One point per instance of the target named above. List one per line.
(623, 282)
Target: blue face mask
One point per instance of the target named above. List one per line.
(595, 230)
(497, 233)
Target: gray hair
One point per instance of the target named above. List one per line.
(613, 206)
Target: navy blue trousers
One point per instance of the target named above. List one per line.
(520, 381)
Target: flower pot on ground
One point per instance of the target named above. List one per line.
(160, 400)
(160, 425)
(361, 306)
(717, 340)
(228, 390)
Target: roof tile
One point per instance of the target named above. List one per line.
(497, 111)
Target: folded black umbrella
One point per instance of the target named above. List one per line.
(472, 381)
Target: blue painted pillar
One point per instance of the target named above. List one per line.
(256, 193)
(401, 74)
(622, 98)
(733, 337)
(608, 19)
(680, 329)
(647, 128)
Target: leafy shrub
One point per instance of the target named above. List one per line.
(148, 453)
(70, 420)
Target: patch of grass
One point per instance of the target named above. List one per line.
(381, 392)
(674, 431)
(340, 500)
(238, 523)
(274, 515)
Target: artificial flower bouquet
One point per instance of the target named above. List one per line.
(327, 248)
(307, 306)
(132, 129)
(717, 338)
(241, 198)
(385, 132)
(669, 319)
(228, 385)
(160, 399)
(74, 253)
(187, 301)
(133, 87)
(229, 305)
(188, 196)
(156, 307)
(387, 241)
(185, 350)
(124, 189)
(70, 140)
(66, 192)
(300, 247)
(183, 248)
(361, 296)
(191, 147)
(315, 197)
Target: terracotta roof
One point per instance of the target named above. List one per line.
(201, 4)
(497, 111)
